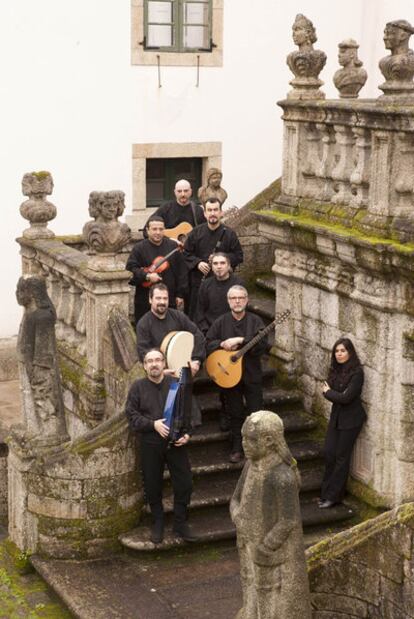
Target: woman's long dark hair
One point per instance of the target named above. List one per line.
(342, 372)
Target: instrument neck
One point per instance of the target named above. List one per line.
(254, 340)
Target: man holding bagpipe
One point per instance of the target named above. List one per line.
(159, 409)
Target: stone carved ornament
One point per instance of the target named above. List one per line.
(265, 509)
(351, 78)
(213, 187)
(43, 410)
(398, 68)
(106, 234)
(37, 210)
(306, 63)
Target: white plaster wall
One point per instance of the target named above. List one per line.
(72, 103)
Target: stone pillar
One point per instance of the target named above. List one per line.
(380, 172)
(342, 171)
(360, 175)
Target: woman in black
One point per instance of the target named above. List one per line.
(343, 389)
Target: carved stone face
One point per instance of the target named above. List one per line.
(300, 34)
(346, 55)
(23, 294)
(215, 180)
(109, 209)
(394, 36)
(256, 445)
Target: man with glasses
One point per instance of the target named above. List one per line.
(230, 332)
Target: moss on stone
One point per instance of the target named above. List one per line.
(367, 494)
(41, 174)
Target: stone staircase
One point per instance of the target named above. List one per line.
(215, 477)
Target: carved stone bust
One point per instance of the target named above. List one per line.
(350, 79)
(307, 62)
(265, 509)
(398, 67)
(43, 410)
(37, 210)
(213, 187)
(106, 234)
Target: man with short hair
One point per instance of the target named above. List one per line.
(212, 296)
(182, 209)
(205, 240)
(230, 332)
(145, 411)
(161, 320)
(173, 274)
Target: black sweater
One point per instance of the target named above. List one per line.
(212, 300)
(225, 327)
(151, 330)
(174, 214)
(347, 409)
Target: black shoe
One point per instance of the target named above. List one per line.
(157, 532)
(326, 504)
(183, 530)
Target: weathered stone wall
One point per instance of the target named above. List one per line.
(366, 571)
(73, 501)
(335, 285)
(8, 358)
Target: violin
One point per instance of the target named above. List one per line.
(160, 264)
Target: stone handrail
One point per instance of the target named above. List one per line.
(356, 156)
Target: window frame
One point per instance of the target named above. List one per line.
(178, 24)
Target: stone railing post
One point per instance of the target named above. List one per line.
(341, 173)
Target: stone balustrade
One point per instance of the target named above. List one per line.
(352, 160)
(83, 297)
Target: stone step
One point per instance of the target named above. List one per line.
(266, 283)
(262, 306)
(272, 396)
(214, 524)
(218, 490)
(211, 458)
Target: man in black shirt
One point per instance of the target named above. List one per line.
(174, 271)
(145, 409)
(230, 332)
(212, 295)
(205, 240)
(182, 209)
(161, 320)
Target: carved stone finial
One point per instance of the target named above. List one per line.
(43, 411)
(265, 509)
(213, 187)
(350, 79)
(37, 210)
(398, 67)
(106, 235)
(306, 63)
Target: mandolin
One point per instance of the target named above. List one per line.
(225, 367)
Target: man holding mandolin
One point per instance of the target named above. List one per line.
(231, 332)
(153, 260)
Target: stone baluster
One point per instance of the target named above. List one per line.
(379, 193)
(81, 323)
(327, 160)
(360, 174)
(53, 285)
(74, 307)
(290, 159)
(61, 307)
(342, 171)
(313, 147)
(404, 179)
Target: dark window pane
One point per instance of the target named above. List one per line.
(156, 168)
(155, 190)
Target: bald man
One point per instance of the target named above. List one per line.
(175, 212)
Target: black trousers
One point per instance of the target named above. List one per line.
(154, 456)
(338, 451)
(253, 396)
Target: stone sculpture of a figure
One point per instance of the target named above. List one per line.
(213, 187)
(306, 63)
(43, 411)
(106, 234)
(265, 509)
(398, 68)
(350, 79)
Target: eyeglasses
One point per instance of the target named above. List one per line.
(237, 298)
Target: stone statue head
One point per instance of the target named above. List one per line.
(214, 177)
(303, 32)
(32, 288)
(106, 206)
(397, 34)
(348, 53)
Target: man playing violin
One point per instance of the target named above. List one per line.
(143, 261)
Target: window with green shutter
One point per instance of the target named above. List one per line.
(178, 25)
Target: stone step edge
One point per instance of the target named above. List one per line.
(265, 284)
(170, 541)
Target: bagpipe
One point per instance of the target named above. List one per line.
(177, 409)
